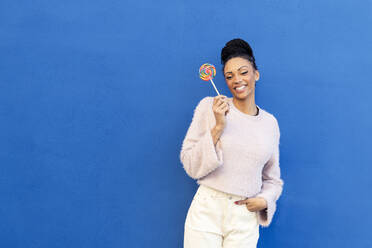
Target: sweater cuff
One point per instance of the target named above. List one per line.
(266, 215)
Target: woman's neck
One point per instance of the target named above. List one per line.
(247, 105)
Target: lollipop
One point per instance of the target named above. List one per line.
(207, 73)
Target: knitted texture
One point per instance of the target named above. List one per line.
(244, 161)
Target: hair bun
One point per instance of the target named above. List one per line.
(234, 48)
(239, 44)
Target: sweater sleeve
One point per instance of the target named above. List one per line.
(272, 185)
(199, 155)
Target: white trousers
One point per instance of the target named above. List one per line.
(214, 220)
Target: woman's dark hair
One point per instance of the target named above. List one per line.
(237, 48)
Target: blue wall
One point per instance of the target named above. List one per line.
(96, 97)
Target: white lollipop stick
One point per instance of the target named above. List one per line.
(214, 86)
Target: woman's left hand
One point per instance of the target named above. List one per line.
(253, 204)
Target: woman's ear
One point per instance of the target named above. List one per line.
(257, 75)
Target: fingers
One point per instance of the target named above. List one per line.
(248, 204)
(251, 208)
(218, 100)
(242, 201)
(223, 105)
(222, 108)
(252, 204)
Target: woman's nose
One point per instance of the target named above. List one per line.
(238, 79)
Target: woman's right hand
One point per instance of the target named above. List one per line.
(220, 109)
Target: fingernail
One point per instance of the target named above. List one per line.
(236, 202)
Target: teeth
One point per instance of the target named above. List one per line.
(241, 87)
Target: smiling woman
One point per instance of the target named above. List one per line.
(240, 71)
(234, 156)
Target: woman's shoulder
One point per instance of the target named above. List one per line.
(207, 100)
(203, 109)
(272, 121)
(205, 103)
(270, 118)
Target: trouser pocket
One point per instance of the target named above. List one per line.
(205, 213)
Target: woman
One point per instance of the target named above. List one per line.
(232, 149)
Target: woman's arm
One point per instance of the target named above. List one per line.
(272, 185)
(201, 152)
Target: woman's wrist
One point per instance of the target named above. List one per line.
(219, 127)
(216, 133)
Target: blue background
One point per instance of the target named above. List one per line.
(96, 98)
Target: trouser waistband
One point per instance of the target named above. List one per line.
(206, 190)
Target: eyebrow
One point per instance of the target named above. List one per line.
(238, 69)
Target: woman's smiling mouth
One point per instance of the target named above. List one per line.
(240, 88)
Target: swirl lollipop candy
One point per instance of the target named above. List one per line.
(207, 72)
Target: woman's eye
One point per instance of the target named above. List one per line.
(244, 72)
(228, 77)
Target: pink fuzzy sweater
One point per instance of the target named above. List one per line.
(245, 160)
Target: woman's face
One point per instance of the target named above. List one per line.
(239, 72)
